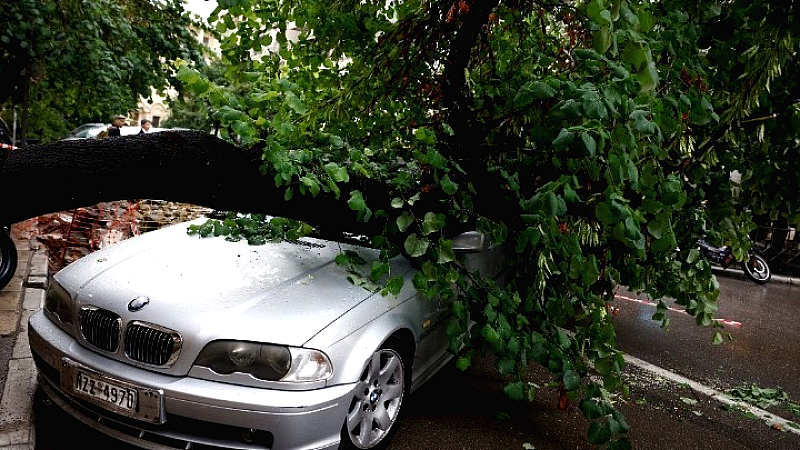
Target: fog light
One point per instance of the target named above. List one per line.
(260, 438)
(249, 435)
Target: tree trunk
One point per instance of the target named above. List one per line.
(183, 166)
(198, 168)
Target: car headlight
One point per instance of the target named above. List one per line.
(266, 361)
(58, 303)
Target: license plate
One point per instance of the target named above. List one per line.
(107, 392)
(119, 396)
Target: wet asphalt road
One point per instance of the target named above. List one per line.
(463, 411)
(763, 321)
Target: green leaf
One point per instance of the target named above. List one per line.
(446, 253)
(599, 433)
(595, 12)
(570, 196)
(589, 143)
(590, 272)
(595, 109)
(432, 223)
(591, 409)
(572, 381)
(635, 54)
(506, 366)
(416, 247)
(357, 203)
(337, 173)
(537, 90)
(311, 184)
(449, 187)
(564, 138)
(515, 390)
(542, 90)
(564, 340)
(602, 39)
(404, 221)
(633, 175)
(612, 212)
(492, 337)
(555, 204)
(394, 285)
(622, 423)
(656, 227)
(425, 135)
(379, 269)
(294, 103)
(648, 77)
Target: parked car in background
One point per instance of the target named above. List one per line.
(87, 130)
(93, 130)
(166, 340)
(129, 131)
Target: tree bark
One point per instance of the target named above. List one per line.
(198, 168)
(183, 166)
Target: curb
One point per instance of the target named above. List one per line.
(17, 430)
(737, 273)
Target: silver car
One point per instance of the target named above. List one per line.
(171, 341)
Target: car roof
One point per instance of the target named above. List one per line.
(131, 130)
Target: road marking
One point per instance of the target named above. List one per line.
(732, 323)
(765, 416)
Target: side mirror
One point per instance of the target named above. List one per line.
(469, 242)
(480, 254)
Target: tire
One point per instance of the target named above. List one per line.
(373, 413)
(8, 258)
(757, 269)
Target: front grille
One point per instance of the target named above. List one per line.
(100, 328)
(150, 344)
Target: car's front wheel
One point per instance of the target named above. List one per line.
(370, 421)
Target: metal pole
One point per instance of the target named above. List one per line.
(14, 129)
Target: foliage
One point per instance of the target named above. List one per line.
(594, 140)
(256, 229)
(765, 398)
(69, 62)
(187, 110)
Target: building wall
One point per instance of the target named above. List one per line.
(155, 110)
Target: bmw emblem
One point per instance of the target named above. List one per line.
(138, 303)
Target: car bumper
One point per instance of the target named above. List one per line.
(204, 413)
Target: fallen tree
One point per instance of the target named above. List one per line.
(199, 168)
(593, 140)
(186, 166)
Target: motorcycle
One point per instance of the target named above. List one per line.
(8, 256)
(755, 267)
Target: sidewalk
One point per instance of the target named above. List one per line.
(18, 300)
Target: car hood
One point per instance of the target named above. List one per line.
(208, 288)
